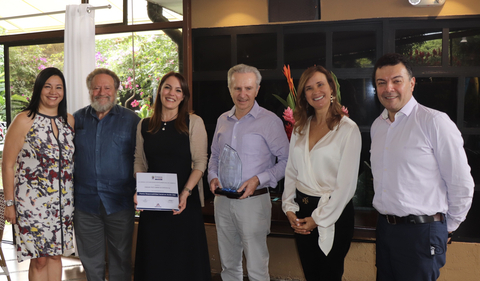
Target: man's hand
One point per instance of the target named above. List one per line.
(214, 184)
(249, 186)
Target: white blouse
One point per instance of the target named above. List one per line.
(329, 171)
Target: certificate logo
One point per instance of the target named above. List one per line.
(157, 178)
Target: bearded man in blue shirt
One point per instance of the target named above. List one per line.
(260, 140)
(104, 182)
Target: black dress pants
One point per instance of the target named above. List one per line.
(316, 265)
(413, 252)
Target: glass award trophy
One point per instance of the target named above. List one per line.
(229, 173)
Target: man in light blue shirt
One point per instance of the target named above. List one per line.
(261, 142)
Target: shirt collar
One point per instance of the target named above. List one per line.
(115, 110)
(253, 112)
(406, 109)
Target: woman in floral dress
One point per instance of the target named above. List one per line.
(39, 193)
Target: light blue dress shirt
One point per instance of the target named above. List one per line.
(259, 138)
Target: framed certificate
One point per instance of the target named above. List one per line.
(157, 191)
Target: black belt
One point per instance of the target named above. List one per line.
(238, 195)
(411, 219)
(260, 191)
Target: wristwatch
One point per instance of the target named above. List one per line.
(8, 203)
(189, 191)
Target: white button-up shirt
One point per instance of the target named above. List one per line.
(419, 165)
(329, 171)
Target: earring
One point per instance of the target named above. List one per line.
(331, 99)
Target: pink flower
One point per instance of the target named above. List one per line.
(345, 110)
(134, 103)
(120, 87)
(288, 116)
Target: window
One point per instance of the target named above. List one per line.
(302, 50)
(421, 46)
(28, 51)
(260, 49)
(465, 47)
(137, 13)
(354, 49)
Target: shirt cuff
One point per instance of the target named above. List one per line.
(290, 208)
(452, 225)
(211, 176)
(263, 179)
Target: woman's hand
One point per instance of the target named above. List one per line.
(10, 214)
(183, 202)
(135, 202)
(306, 226)
(292, 218)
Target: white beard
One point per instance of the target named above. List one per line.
(103, 107)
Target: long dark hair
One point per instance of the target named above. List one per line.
(40, 81)
(180, 123)
(303, 110)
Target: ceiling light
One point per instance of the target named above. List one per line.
(426, 3)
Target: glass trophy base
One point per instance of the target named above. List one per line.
(229, 193)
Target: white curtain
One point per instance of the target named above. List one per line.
(79, 51)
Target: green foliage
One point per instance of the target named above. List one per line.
(155, 55)
(25, 64)
(338, 87)
(27, 61)
(145, 109)
(466, 51)
(284, 102)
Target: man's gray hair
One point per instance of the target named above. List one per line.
(243, 68)
(116, 80)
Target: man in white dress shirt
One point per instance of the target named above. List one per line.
(423, 187)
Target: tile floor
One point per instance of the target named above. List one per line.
(72, 267)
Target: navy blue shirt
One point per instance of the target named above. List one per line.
(104, 156)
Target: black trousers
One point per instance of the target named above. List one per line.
(317, 266)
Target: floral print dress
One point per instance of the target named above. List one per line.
(44, 190)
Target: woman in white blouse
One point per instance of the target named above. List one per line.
(321, 177)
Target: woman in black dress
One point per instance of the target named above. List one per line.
(172, 245)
